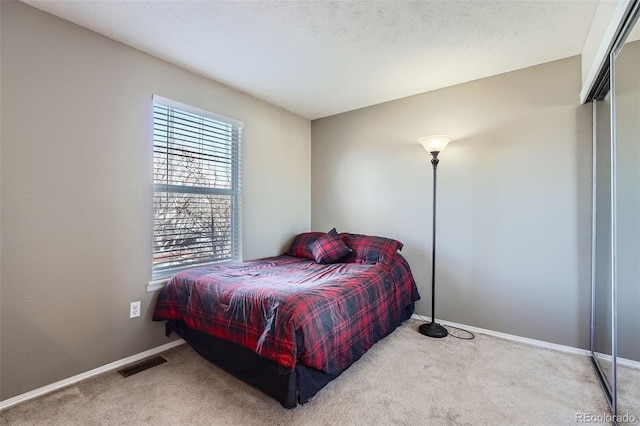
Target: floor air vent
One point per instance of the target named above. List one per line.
(141, 366)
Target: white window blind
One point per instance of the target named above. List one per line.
(196, 184)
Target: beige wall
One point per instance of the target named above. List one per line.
(76, 192)
(513, 196)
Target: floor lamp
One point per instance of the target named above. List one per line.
(434, 145)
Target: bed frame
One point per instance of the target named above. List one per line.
(287, 387)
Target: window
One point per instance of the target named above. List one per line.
(196, 187)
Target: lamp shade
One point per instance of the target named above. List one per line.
(435, 143)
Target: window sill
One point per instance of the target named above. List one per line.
(156, 285)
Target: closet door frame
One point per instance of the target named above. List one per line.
(610, 389)
(607, 386)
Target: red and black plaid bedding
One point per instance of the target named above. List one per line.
(292, 310)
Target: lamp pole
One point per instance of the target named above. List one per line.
(434, 145)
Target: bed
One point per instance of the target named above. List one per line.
(290, 324)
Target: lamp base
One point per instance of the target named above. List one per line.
(433, 329)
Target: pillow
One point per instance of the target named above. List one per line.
(300, 245)
(370, 249)
(329, 248)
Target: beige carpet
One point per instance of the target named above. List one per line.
(406, 379)
(628, 393)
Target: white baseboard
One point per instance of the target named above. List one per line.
(628, 363)
(526, 340)
(621, 361)
(71, 380)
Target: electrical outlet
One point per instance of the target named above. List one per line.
(134, 310)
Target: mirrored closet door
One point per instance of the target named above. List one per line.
(602, 291)
(615, 339)
(625, 72)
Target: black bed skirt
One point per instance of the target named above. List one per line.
(286, 386)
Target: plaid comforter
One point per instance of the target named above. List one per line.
(293, 310)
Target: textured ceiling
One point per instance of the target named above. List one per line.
(319, 58)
